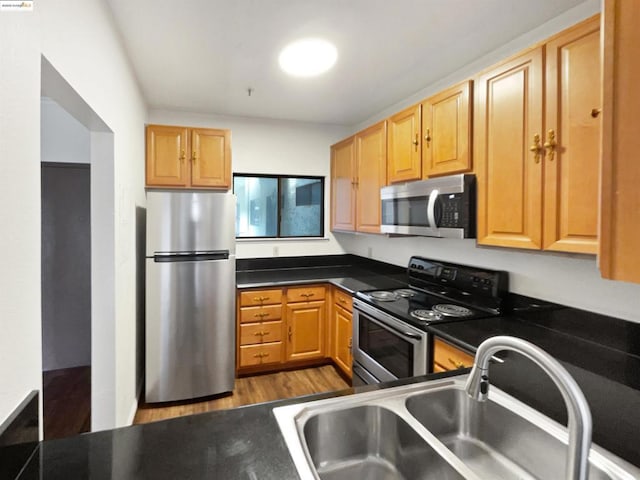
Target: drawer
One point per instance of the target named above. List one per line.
(255, 333)
(260, 314)
(251, 355)
(305, 294)
(260, 297)
(448, 357)
(344, 299)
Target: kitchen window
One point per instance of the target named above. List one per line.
(279, 206)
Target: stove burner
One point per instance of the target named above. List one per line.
(450, 310)
(405, 292)
(383, 296)
(422, 314)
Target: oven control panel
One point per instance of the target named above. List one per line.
(485, 282)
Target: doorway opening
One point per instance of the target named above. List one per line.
(78, 262)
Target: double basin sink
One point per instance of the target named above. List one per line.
(432, 430)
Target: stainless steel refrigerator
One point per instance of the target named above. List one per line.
(190, 295)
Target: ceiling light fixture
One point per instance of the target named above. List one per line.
(308, 57)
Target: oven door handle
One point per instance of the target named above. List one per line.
(411, 335)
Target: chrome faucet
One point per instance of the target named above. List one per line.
(579, 425)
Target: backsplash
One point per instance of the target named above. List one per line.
(568, 279)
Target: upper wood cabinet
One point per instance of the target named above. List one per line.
(188, 157)
(358, 171)
(537, 160)
(343, 192)
(446, 131)
(508, 113)
(572, 141)
(404, 157)
(620, 195)
(167, 149)
(371, 160)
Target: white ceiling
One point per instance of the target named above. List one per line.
(202, 55)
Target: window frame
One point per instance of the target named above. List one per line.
(279, 179)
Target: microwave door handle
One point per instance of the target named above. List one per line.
(431, 209)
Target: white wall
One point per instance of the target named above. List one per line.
(63, 138)
(567, 279)
(79, 39)
(20, 352)
(272, 147)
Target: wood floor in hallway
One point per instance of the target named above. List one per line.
(249, 390)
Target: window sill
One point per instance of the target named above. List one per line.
(287, 239)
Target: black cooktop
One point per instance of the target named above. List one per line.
(442, 292)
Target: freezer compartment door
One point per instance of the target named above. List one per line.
(190, 222)
(190, 328)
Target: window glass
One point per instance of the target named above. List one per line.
(301, 208)
(279, 206)
(257, 209)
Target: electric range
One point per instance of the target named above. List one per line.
(389, 338)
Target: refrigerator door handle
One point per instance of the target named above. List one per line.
(191, 256)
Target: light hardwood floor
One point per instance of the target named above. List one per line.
(249, 390)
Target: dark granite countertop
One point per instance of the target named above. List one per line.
(238, 444)
(348, 272)
(603, 355)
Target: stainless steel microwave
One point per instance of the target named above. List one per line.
(437, 207)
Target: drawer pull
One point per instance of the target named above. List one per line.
(260, 299)
(307, 295)
(260, 355)
(342, 300)
(350, 343)
(457, 364)
(290, 333)
(261, 333)
(261, 314)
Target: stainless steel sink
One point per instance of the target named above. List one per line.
(493, 440)
(430, 430)
(370, 442)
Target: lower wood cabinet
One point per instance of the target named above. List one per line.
(281, 327)
(305, 330)
(447, 357)
(294, 326)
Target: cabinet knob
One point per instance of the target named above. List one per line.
(194, 156)
(289, 333)
(536, 148)
(427, 137)
(595, 112)
(550, 144)
(416, 142)
(182, 155)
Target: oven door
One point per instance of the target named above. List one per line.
(385, 347)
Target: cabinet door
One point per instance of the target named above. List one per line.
(305, 330)
(620, 196)
(371, 159)
(342, 338)
(210, 158)
(572, 140)
(343, 191)
(167, 149)
(508, 113)
(446, 131)
(404, 153)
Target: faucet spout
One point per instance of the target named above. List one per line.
(580, 423)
